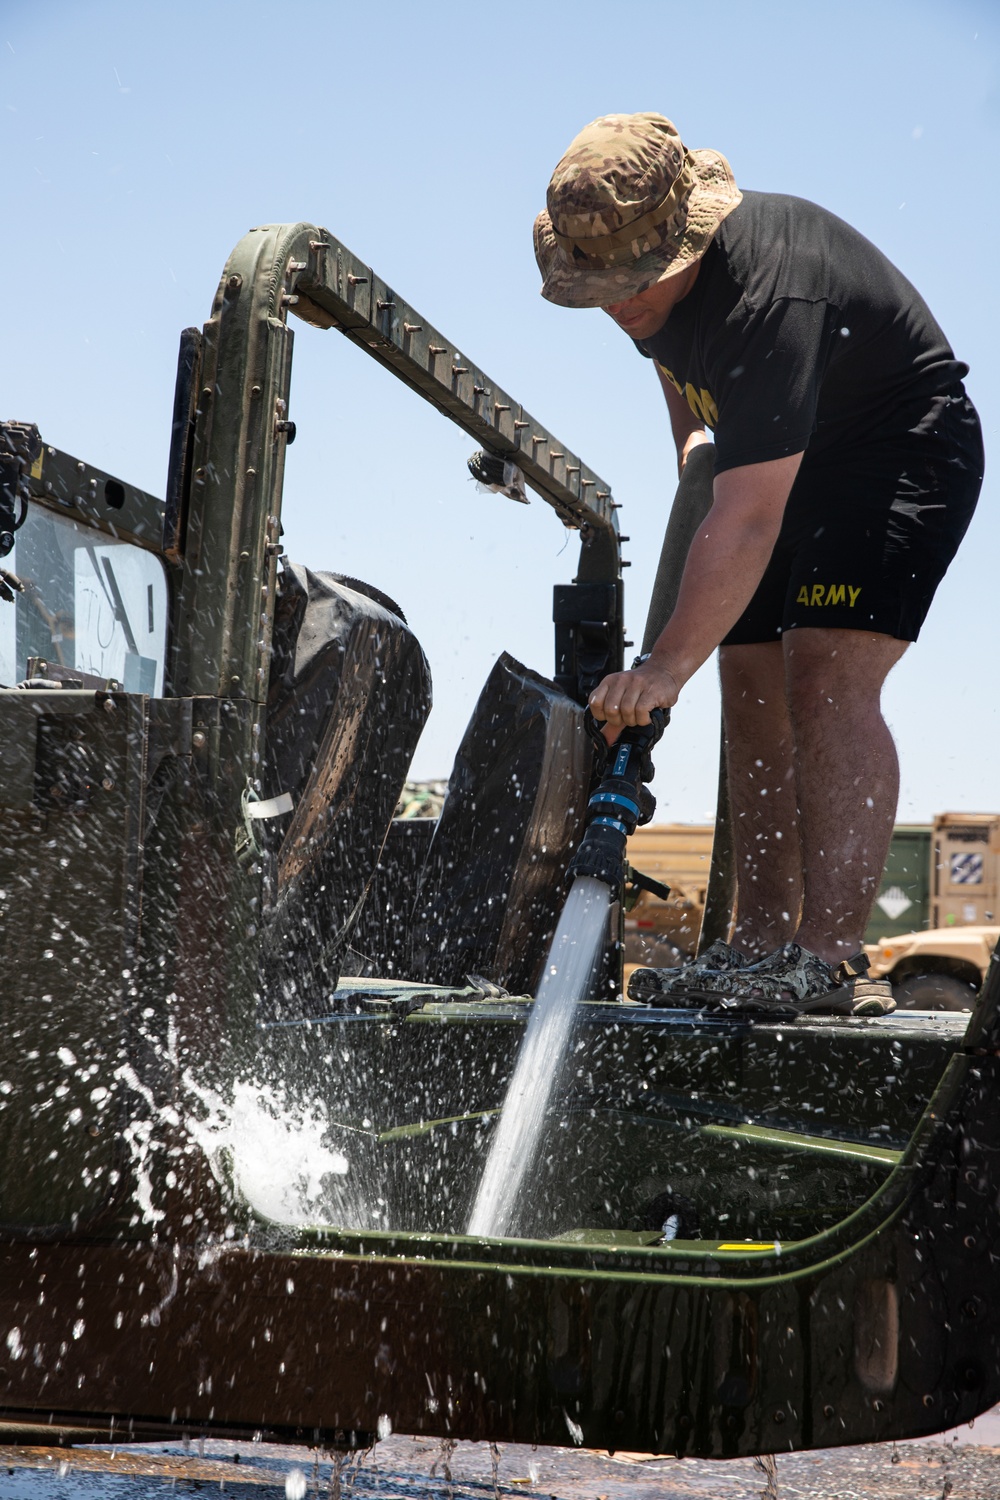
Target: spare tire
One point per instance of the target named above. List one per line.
(933, 992)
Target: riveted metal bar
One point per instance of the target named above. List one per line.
(237, 463)
(337, 290)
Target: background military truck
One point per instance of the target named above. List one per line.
(940, 969)
(657, 932)
(930, 930)
(939, 962)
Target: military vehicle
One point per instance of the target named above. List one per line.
(662, 931)
(941, 968)
(739, 1238)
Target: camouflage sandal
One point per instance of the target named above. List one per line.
(672, 987)
(794, 982)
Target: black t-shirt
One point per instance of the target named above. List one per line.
(799, 335)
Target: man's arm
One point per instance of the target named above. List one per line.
(688, 430)
(728, 555)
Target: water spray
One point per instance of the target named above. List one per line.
(598, 871)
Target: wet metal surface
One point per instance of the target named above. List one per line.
(963, 1465)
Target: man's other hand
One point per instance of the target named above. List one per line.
(627, 697)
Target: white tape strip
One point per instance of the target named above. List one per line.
(272, 808)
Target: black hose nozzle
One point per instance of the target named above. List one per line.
(620, 803)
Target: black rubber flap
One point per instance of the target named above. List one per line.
(349, 696)
(493, 884)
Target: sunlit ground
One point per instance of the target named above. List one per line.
(958, 1465)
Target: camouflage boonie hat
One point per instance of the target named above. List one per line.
(628, 206)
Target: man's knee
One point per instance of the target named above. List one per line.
(753, 682)
(834, 670)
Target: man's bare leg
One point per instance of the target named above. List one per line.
(762, 792)
(847, 775)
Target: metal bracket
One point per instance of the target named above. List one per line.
(636, 882)
(20, 447)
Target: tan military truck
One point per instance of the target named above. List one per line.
(940, 969)
(932, 928)
(942, 966)
(660, 933)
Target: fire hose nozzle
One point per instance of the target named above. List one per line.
(620, 802)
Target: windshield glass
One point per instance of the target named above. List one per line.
(91, 604)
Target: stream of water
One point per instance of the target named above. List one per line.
(567, 977)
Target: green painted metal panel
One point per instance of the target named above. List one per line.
(903, 902)
(69, 920)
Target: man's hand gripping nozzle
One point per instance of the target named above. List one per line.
(621, 802)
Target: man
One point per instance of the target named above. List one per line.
(848, 462)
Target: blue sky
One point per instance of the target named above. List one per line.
(142, 140)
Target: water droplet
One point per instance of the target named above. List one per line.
(573, 1428)
(296, 1485)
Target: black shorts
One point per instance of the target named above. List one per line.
(868, 533)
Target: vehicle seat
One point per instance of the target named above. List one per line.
(349, 695)
(492, 886)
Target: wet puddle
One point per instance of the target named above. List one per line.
(959, 1465)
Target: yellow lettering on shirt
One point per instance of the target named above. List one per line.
(701, 401)
(669, 375)
(802, 597)
(853, 593)
(819, 590)
(835, 594)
